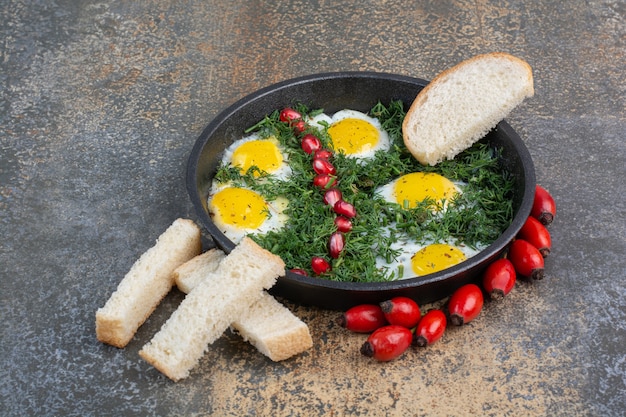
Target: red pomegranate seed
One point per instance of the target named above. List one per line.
(332, 196)
(323, 166)
(298, 271)
(343, 224)
(324, 181)
(310, 143)
(323, 154)
(319, 265)
(345, 209)
(336, 244)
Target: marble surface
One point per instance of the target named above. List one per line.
(100, 104)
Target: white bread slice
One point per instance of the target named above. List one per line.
(268, 325)
(208, 310)
(147, 282)
(188, 275)
(462, 104)
(273, 329)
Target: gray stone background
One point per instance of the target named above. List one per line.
(100, 104)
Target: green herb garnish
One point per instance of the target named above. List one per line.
(475, 217)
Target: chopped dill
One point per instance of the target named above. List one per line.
(475, 217)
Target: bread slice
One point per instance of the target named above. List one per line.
(208, 310)
(273, 329)
(188, 275)
(268, 325)
(147, 282)
(460, 105)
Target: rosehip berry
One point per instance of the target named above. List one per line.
(401, 311)
(323, 166)
(499, 278)
(298, 126)
(323, 154)
(343, 224)
(331, 196)
(535, 233)
(310, 143)
(345, 209)
(319, 265)
(465, 304)
(387, 343)
(324, 181)
(544, 207)
(430, 328)
(364, 318)
(526, 259)
(336, 244)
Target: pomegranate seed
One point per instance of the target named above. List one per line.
(322, 166)
(288, 115)
(343, 224)
(345, 209)
(299, 126)
(323, 154)
(310, 143)
(324, 181)
(364, 318)
(298, 271)
(319, 265)
(336, 244)
(332, 196)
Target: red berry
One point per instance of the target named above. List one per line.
(465, 304)
(387, 343)
(364, 318)
(319, 265)
(298, 126)
(544, 207)
(430, 328)
(299, 271)
(535, 233)
(323, 154)
(324, 181)
(526, 259)
(288, 115)
(345, 209)
(343, 224)
(402, 311)
(323, 166)
(499, 278)
(331, 196)
(336, 244)
(310, 143)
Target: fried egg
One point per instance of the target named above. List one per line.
(265, 154)
(418, 259)
(238, 212)
(353, 133)
(411, 189)
(422, 258)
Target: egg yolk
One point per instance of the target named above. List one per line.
(353, 136)
(436, 257)
(416, 187)
(240, 207)
(262, 153)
